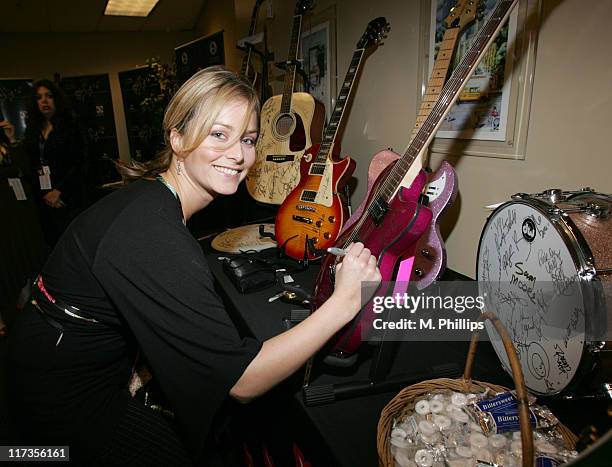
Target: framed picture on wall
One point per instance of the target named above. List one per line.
(491, 115)
(318, 52)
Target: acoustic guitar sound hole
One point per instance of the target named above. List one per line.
(284, 125)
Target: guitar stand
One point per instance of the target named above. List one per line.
(298, 67)
(377, 382)
(264, 234)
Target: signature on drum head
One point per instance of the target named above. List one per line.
(538, 361)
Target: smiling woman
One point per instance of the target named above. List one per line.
(129, 281)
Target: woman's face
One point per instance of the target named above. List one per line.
(216, 166)
(46, 103)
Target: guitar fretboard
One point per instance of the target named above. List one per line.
(291, 60)
(331, 130)
(438, 76)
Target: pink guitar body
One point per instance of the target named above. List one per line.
(392, 238)
(430, 254)
(441, 188)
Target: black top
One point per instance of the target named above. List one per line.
(64, 152)
(130, 263)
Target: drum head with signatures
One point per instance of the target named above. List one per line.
(527, 273)
(244, 238)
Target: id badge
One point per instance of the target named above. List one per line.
(44, 178)
(17, 187)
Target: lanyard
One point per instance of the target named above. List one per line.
(174, 192)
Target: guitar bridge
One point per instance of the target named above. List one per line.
(279, 158)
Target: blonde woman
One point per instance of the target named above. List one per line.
(135, 281)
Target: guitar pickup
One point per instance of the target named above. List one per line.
(378, 210)
(279, 158)
(305, 220)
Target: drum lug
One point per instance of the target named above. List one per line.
(597, 210)
(554, 195)
(595, 347)
(587, 274)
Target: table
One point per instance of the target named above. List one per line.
(343, 433)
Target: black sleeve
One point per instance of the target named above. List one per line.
(157, 277)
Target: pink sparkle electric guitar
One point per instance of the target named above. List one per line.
(441, 188)
(394, 216)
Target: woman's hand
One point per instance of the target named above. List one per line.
(9, 130)
(53, 199)
(356, 267)
(283, 354)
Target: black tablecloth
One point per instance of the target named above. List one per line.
(344, 432)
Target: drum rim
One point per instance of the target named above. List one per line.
(584, 262)
(585, 270)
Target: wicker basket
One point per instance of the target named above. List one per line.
(403, 403)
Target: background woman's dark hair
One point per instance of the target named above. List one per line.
(63, 114)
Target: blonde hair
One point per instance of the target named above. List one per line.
(192, 111)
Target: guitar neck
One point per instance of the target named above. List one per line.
(438, 76)
(448, 96)
(291, 67)
(247, 58)
(331, 130)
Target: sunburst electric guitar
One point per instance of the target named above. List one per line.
(441, 187)
(311, 217)
(289, 124)
(395, 215)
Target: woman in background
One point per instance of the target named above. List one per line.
(56, 150)
(127, 280)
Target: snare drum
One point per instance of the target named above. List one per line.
(544, 267)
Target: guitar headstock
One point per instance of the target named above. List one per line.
(302, 6)
(462, 14)
(375, 32)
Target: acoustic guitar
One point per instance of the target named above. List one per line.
(395, 215)
(310, 218)
(289, 124)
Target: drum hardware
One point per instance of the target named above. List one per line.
(604, 392)
(554, 195)
(599, 211)
(587, 274)
(594, 210)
